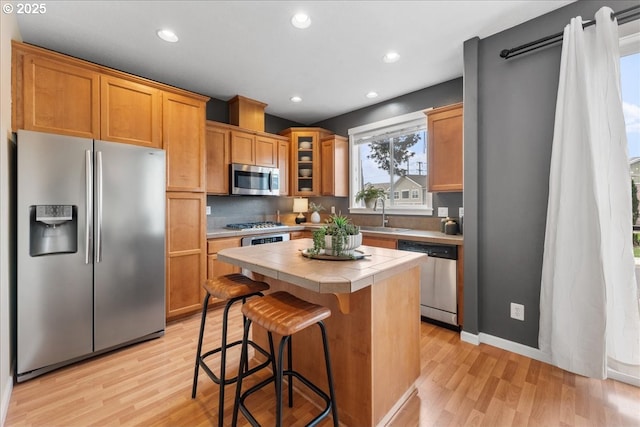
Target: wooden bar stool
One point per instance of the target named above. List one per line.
(285, 315)
(232, 288)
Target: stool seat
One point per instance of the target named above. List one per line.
(232, 286)
(283, 313)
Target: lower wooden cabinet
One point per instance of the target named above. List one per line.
(186, 252)
(303, 234)
(380, 242)
(217, 268)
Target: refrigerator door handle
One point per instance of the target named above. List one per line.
(88, 206)
(98, 206)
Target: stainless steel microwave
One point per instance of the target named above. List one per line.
(254, 180)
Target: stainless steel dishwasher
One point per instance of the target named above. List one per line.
(438, 280)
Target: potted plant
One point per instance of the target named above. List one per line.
(315, 209)
(339, 237)
(369, 194)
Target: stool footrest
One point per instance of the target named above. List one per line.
(227, 381)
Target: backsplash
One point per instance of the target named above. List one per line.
(235, 209)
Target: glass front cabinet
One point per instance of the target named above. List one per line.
(305, 160)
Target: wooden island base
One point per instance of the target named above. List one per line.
(374, 339)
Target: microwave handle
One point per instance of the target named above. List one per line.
(271, 181)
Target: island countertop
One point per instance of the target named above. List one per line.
(284, 261)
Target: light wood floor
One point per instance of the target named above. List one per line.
(149, 384)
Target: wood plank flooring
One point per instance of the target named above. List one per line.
(149, 384)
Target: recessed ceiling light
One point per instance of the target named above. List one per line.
(296, 99)
(372, 94)
(391, 57)
(167, 35)
(301, 20)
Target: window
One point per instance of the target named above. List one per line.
(392, 155)
(630, 87)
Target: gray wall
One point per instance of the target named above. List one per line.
(514, 116)
(439, 95)
(218, 111)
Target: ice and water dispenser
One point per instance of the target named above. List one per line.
(53, 229)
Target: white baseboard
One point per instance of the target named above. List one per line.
(470, 338)
(514, 347)
(623, 378)
(6, 398)
(533, 353)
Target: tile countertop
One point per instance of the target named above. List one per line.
(284, 261)
(417, 235)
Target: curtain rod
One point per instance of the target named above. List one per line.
(546, 41)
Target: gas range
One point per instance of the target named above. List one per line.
(263, 225)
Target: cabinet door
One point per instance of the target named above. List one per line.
(445, 148)
(186, 252)
(60, 98)
(334, 158)
(283, 166)
(183, 138)
(217, 268)
(305, 163)
(130, 112)
(303, 234)
(243, 148)
(218, 159)
(266, 150)
(379, 242)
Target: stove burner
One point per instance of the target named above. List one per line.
(255, 225)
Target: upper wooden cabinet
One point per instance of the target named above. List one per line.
(251, 149)
(266, 151)
(228, 144)
(56, 97)
(445, 148)
(130, 112)
(305, 160)
(60, 94)
(246, 113)
(334, 158)
(218, 147)
(183, 121)
(283, 166)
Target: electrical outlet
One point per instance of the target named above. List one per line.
(517, 311)
(333, 209)
(443, 212)
(208, 210)
(460, 212)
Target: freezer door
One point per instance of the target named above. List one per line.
(129, 244)
(54, 290)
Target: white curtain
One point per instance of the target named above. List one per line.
(589, 307)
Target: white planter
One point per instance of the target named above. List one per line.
(351, 244)
(315, 217)
(370, 203)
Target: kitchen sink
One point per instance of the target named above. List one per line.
(382, 229)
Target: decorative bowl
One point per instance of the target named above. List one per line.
(305, 158)
(305, 145)
(305, 172)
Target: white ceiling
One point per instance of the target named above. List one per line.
(250, 48)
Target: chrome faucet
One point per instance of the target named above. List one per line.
(375, 207)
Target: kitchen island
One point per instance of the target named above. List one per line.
(374, 328)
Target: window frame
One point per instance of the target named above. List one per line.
(384, 126)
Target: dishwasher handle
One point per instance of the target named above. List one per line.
(431, 249)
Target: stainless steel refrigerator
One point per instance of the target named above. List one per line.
(91, 248)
